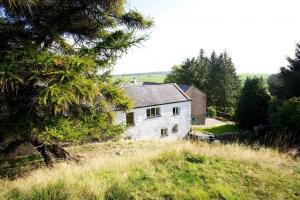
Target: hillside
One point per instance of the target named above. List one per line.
(158, 77)
(163, 170)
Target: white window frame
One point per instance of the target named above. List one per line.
(153, 112)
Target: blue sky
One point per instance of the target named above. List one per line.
(258, 34)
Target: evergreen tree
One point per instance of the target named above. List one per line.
(287, 81)
(284, 117)
(275, 86)
(200, 71)
(223, 84)
(252, 106)
(215, 76)
(55, 63)
(212, 79)
(191, 72)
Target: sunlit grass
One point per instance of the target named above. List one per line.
(220, 129)
(163, 170)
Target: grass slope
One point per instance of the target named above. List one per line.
(163, 170)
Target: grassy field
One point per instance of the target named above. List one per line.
(163, 170)
(151, 77)
(221, 129)
(159, 77)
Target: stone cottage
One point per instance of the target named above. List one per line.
(160, 111)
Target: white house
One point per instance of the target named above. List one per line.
(160, 111)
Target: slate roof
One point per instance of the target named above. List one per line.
(184, 87)
(151, 95)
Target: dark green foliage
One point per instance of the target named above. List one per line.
(215, 76)
(285, 85)
(212, 111)
(285, 116)
(55, 63)
(275, 86)
(191, 72)
(223, 84)
(252, 106)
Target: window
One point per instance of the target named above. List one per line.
(153, 112)
(175, 128)
(164, 132)
(176, 110)
(130, 119)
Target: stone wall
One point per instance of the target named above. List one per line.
(198, 105)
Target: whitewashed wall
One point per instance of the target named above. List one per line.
(150, 128)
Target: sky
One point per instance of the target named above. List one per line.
(258, 34)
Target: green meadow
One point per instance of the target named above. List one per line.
(159, 77)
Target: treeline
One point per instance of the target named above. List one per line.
(214, 74)
(277, 107)
(273, 109)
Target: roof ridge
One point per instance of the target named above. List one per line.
(182, 92)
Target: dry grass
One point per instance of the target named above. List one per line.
(103, 165)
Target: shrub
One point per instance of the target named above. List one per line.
(212, 112)
(230, 111)
(285, 116)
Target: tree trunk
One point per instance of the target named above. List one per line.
(51, 152)
(58, 152)
(44, 151)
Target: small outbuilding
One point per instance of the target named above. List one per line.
(198, 103)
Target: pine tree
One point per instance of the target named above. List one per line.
(215, 76)
(223, 84)
(200, 71)
(55, 63)
(253, 103)
(191, 72)
(286, 84)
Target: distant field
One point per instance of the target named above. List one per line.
(150, 77)
(159, 77)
